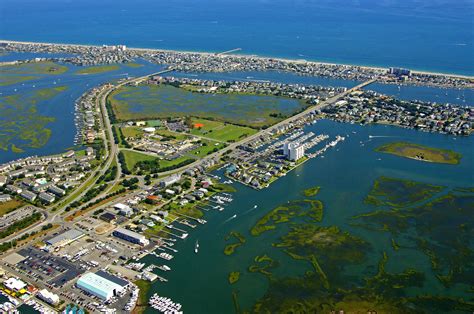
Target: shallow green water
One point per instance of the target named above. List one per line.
(34, 117)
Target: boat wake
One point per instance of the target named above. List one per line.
(229, 219)
(251, 209)
(377, 136)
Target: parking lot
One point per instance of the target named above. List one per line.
(48, 268)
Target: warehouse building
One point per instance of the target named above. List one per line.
(130, 236)
(101, 284)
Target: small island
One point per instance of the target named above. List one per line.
(234, 277)
(312, 191)
(98, 69)
(421, 152)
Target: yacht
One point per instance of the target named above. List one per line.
(196, 247)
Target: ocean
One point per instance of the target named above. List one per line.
(418, 34)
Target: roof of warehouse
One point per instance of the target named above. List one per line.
(71, 234)
(100, 285)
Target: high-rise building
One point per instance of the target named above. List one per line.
(293, 151)
(399, 71)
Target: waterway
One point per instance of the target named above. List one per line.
(57, 110)
(346, 174)
(419, 34)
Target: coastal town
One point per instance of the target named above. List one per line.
(76, 226)
(368, 107)
(216, 62)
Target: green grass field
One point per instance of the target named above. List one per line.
(131, 131)
(203, 151)
(131, 158)
(155, 123)
(98, 69)
(10, 206)
(221, 131)
(177, 135)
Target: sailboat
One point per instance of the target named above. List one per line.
(196, 247)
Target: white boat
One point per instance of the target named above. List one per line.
(164, 268)
(196, 247)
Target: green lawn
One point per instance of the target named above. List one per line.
(221, 131)
(176, 135)
(131, 158)
(155, 123)
(171, 163)
(131, 131)
(205, 150)
(10, 206)
(98, 69)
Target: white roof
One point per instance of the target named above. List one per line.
(49, 295)
(14, 284)
(121, 206)
(98, 285)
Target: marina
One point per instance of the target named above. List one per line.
(165, 305)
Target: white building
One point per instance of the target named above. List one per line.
(170, 180)
(293, 151)
(101, 284)
(124, 210)
(48, 297)
(149, 130)
(14, 284)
